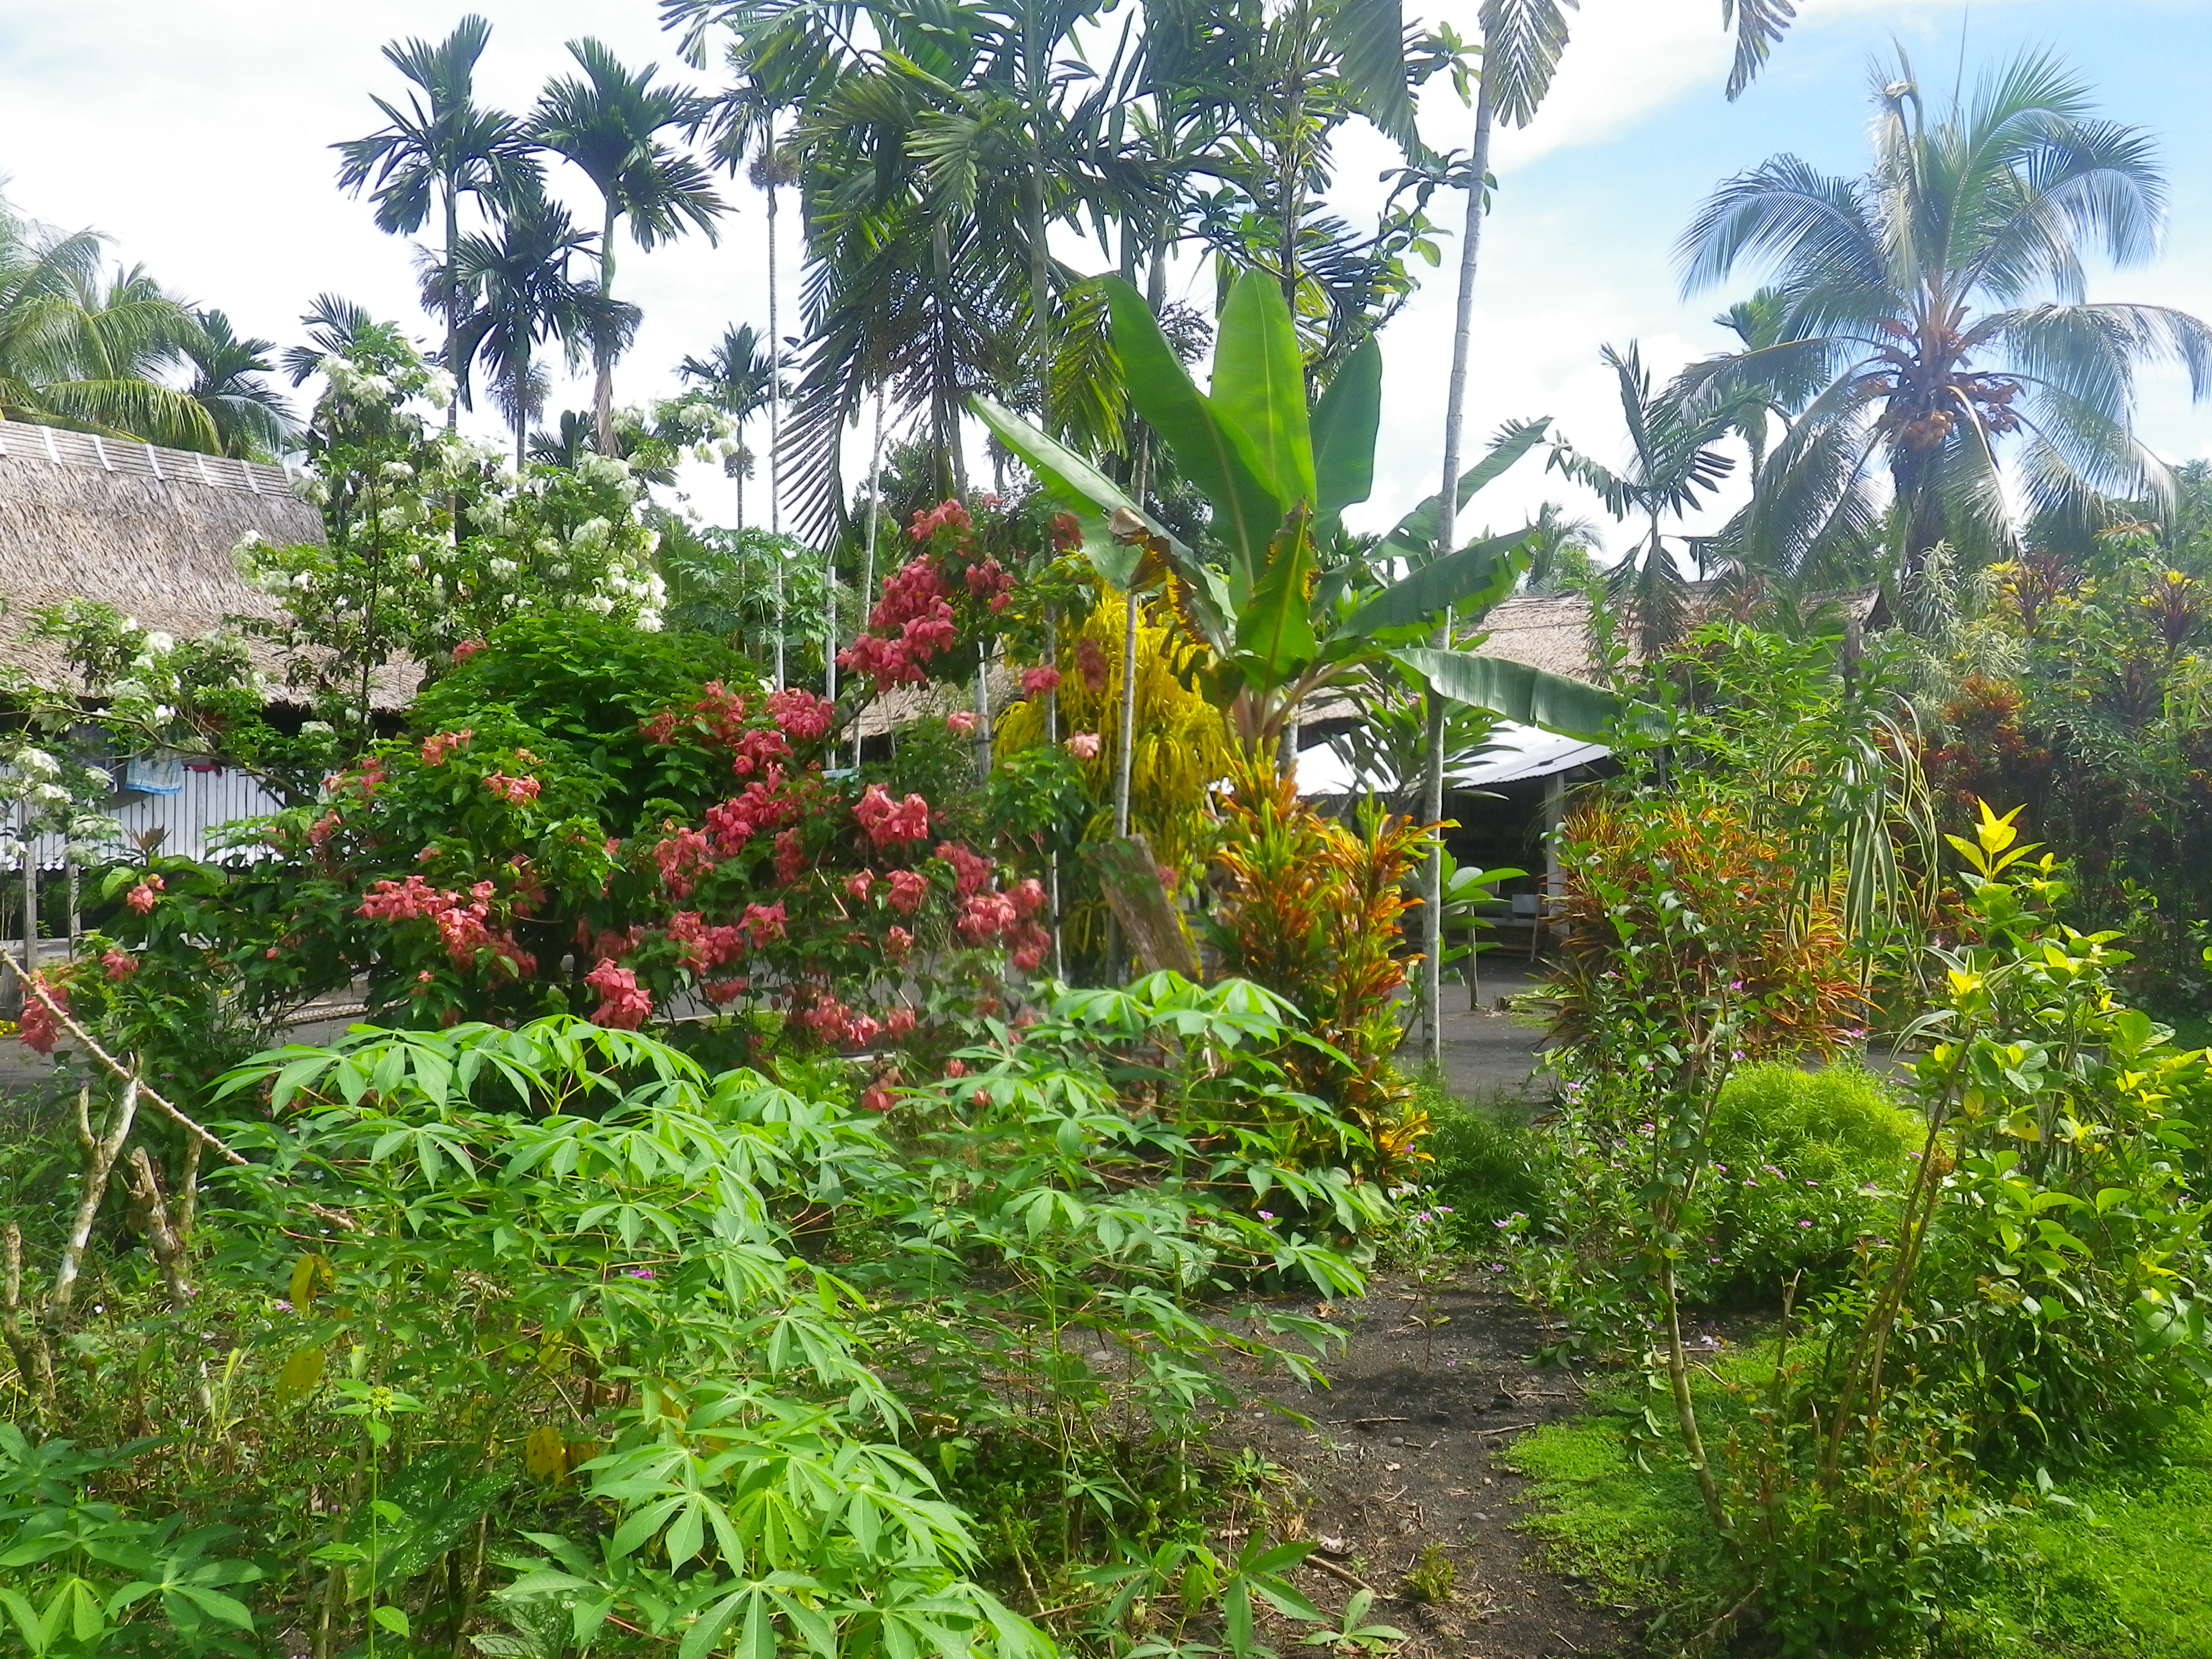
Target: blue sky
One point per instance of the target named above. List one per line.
(194, 132)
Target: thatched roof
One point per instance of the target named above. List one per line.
(145, 529)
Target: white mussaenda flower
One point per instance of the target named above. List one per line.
(38, 763)
(504, 566)
(438, 386)
(159, 644)
(592, 532)
(648, 622)
(414, 560)
(304, 580)
(316, 728)
(53, 794)
(651, 542)
(398, 472)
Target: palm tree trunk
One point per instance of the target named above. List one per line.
(868, 543)
(1155, 292)
(603, 393)
(774, 404)
(452, 317)
(739, 474)
(1432, 793)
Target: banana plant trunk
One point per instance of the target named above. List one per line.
(1432, 794)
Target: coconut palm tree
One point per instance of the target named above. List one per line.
(252, 419)
(737, 377)
(514, 280)
(84, 354)
(609, 124)
(1675, 460)
(1932, 313)
(441, 147)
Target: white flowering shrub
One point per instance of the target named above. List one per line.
(433, 538)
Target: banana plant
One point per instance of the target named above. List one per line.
(1279, 474)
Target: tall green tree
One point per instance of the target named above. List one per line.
(611, 124)
(442, 146)
(737, 377)
(1932, 314)
(229, 379)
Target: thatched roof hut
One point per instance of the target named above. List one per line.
(145, 529)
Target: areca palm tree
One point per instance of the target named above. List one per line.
(1675, 460)
(79, 352)
(334, 324)
(609, 123)
(1932, 313)
(251, 420)
(737, 377)
(516, 283)
(441, 147)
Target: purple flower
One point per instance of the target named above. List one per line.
(637, 1273)
(1804, 1223)
(1266, 1215)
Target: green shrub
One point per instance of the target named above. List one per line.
(1803, 1164)
(1838, 1124)
(1485, 1159)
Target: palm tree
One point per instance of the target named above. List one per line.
(515, 282)
(251, 420)
(738, 379)
(1522, 41)
(609, 124)
(1560, 548)
(1674, 461)
(1930, 311)
(334, 324)
(79, 354)
(439, 148)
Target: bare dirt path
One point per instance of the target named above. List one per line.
(1400, 1455)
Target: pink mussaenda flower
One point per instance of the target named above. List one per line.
(1040, 681)
(466, 649)
(622, 1005)
(1084, 746)
(909, 889)
(960, 721)
(439, 744)
(141, 897)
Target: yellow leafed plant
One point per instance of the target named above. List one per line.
(1181, 750)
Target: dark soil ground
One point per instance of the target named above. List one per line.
(1398, 1453)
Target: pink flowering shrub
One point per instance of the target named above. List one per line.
(643, 859)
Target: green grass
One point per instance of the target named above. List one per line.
(1614, 1503)
(1484, 1157)
(2123, 1572)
